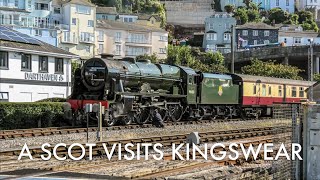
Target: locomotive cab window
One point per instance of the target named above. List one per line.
(294, 91)
(301, 92)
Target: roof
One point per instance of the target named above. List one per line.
(13, 9)
(81, 2)
(298, 34)
(256, 26)
(108, 24)
(43, 48)
(143, 16)
(272, 80)
(106, 10)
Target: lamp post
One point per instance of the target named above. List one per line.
(233, 37)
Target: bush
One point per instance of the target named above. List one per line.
(56, 99)
(30, 115)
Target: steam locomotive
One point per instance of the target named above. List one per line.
(130, 90)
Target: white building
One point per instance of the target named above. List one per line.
(33, 71)
(130, 40)
(294, 35)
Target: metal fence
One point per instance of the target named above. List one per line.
(290, 115)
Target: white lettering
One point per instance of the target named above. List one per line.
(175, 151)
(47, 151)
(25, 148)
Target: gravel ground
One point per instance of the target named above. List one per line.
(17, 143)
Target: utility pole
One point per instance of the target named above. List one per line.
(233, 37)
(310, 70)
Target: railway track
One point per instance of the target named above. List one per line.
(34, 132)
(166, 141)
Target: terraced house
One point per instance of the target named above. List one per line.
(123, 39)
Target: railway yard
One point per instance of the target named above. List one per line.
(100, 167)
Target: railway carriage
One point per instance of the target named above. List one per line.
(130, 90)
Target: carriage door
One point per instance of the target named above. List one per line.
(284, 93)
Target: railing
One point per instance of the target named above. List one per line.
(136, 53)
(34, 25)
(138, 41)
(70, 40)
(87, 38)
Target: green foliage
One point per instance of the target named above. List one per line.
(253, 15)
(56, 99)
(194, 58)
(229, 8)
(153, 58)
(242, 15)
(316, 77)
(216, 5)
(278, 15)
(27, 115)
(271, 69)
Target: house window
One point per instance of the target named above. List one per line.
(87, 48)
(294, 91)
(211, 26)
(87, 37)
(285, 40)
(118, 37)
(280, 91)
(26, 62)
(100, 48)
(211, 47)
(255, 42)
(83, 9)
(277, 2)
(245, 33)
(164, 38)
(264, 90)
(226, 36)
(43, 64)
(90, 23)
(287, 2)
(255, 33)
(4, 96)
(38, 32)
(266, 41)
(16, 3)
(162, 50)
(118, 49)
(297, 40)
(4, 60)
(100, 36)
(74, 21)
(56, 10)
(58, 65)
(211, 36)
(301, 92)
(266, 33)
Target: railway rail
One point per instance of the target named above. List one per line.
(34, 132)
(166, 141)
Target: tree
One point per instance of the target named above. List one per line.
(305, 16)
(241, 14)
(153, 58)
(253, 15)
(278, 15)
(229, 8)
(271, 69)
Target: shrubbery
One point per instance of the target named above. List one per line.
(30, 115)
(56, 99)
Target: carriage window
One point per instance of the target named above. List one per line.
(280, 91)
(270, 90)
(254, 89)
(264, 90)
(301, 92)
(294, 91)
(224, 83)
(190, 80)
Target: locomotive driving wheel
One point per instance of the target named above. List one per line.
(127, 119)
(142, 116)
(175, 112)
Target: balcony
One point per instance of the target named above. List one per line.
(69, 40)
(30, 24)
(87, 38)
(138, 42)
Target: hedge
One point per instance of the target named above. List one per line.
(56, 99)
(30, 115)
